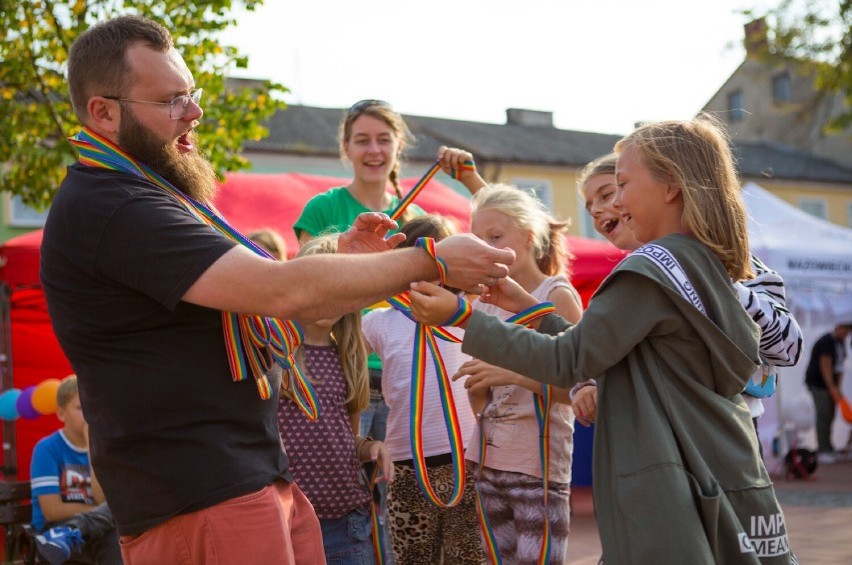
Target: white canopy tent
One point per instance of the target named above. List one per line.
(815, 259)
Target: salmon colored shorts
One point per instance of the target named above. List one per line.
(276, 524)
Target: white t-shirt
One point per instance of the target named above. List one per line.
(391, 335)
(511, 427)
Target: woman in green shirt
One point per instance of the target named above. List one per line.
(372, 138)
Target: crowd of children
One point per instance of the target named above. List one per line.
(662, 359)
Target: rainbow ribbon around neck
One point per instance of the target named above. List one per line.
(253, 343)
(424, 339)
(543, 403)
(468, 165)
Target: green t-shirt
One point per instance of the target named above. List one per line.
(334, 211)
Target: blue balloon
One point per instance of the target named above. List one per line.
(8, 410)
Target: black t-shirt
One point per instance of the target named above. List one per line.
(826, 345)
(171, 432)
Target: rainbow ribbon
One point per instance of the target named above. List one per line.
(425, 339)
(428, 244)
(543, 403)
(468, 165)
(379, 547)
(252, 343)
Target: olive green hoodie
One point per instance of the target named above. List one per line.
(677, 474)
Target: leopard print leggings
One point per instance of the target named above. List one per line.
(423, 533)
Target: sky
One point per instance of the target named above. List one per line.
(598, 65)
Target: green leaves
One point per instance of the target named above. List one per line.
(35, 36)
(815, 38)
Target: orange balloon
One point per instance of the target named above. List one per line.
(44, 396)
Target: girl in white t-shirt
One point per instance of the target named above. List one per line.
(511, 480)
(420, 531)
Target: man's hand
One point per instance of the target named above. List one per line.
(472, 264)
(367, 234)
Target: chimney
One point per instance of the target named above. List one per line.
(529, 118)
(755, 37)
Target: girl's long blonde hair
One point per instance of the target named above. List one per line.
(696, 154)
(346, 334)
(528, 213)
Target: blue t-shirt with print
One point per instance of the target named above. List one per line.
(58, 467)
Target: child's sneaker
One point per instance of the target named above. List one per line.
(58, 544)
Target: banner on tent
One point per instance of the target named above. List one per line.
(823, 267)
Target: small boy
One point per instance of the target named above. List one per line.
(68, 504)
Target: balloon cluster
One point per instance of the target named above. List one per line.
(30, 403)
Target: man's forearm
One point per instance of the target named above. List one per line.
(331, 286)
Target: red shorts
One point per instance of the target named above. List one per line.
(276, 524)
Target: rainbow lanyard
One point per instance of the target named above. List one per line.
(379, 547)
(417, 188)
(253, 343)
(424, 337)
(543, 403)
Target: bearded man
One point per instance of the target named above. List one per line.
(160, 310)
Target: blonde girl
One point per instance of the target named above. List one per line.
(511, 480)
(763, 296)
(677, 475)
(325, 455)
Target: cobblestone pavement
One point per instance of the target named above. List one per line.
(818, 511)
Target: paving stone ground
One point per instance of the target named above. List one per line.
(818, 511)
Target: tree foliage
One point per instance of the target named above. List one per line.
(35, 36)
(815, 37)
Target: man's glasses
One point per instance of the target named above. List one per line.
(362, 105)
(177, 106)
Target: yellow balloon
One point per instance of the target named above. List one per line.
(44, 396)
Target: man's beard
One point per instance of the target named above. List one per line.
(189, 172)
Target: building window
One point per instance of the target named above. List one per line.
(540, 188)
(736, 106)
(781, 89)
(815, 207)
(19, 215)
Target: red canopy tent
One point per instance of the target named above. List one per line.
(249, 202)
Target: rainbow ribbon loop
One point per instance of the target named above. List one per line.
(542, 402)
(428, 244)
(462, 314)
(425, 339)
(253, 343)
